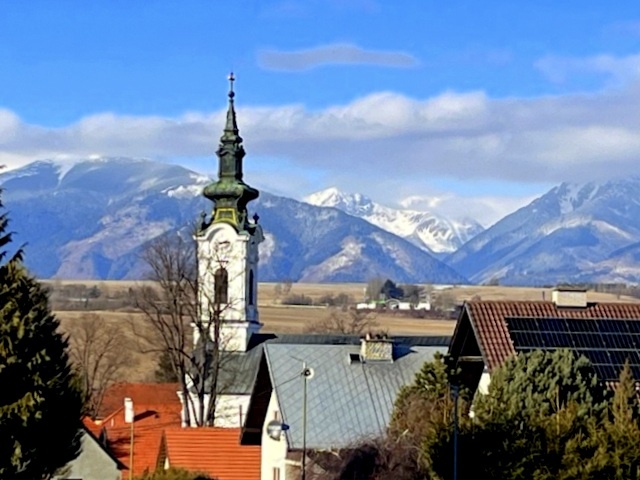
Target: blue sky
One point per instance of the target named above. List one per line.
(463, 107)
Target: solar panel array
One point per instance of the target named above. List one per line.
(607, 343)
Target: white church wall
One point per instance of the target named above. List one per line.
(231, 410)
(223, 247)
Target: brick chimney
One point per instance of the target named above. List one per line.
(569, 297)
(376, 348)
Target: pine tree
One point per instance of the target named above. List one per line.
(538, 405)
(39, 406)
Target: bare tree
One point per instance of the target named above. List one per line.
(346, 321)
(171, 306)
(374, 289)
(99, 351)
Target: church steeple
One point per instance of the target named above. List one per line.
(229, 193)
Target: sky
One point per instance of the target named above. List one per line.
(464, 108)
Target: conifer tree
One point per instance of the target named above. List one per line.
(538, 405)
(40, 407)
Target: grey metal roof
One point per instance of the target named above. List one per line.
(346, 402)
(239, 369)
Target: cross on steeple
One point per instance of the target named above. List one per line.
(232, 79)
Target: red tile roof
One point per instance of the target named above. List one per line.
(490, 328)
(92, 426)
(214, 451)
(148, 426)
(143, 393)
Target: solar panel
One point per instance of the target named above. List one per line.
(607, 343)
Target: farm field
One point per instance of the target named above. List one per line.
(278, 318)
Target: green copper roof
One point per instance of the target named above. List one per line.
(229, 193)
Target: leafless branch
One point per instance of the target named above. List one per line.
(99, 351)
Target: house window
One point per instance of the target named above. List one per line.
(251, 293)
(276, 473)
(221, 287)
(276, 415)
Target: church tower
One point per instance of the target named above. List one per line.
(227, 245)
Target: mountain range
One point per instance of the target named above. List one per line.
(571, 234)
(92, 219)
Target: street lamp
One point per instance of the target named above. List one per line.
(306, 374)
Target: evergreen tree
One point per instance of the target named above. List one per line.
(40, 407)
(423, 418)
(174, 474)
(539, 404)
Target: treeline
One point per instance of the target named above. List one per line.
(546, 416)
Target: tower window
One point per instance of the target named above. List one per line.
(221, 287)
(251, 292)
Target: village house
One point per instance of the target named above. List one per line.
(95, 461)
(489, 332)
(318, 395)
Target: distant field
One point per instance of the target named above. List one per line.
(267, 291)
(279, 318)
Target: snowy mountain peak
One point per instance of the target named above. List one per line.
(428, 231)
(354, 204)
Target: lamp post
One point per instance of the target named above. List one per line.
(306, 374)
(455, 392)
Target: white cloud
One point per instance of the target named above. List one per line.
(334, 54)
(383, 145)
(559, 69)
(486, 209)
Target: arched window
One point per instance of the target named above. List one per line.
(221, 287)
(251, 292)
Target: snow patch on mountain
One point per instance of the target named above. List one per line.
(184, 191)
(430, 232)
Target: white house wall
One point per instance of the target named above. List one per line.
(273, 452)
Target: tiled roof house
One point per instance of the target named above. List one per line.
(489, 332)
(149, 423)
(211, 450)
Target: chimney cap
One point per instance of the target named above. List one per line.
(569, 288)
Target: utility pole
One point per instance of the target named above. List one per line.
(455, 391)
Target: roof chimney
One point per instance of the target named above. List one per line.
(569, 297)
(378, 348)
(128, 410)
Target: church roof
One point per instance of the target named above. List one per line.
(229, 192)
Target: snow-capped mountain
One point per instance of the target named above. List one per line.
(433, 233)
(573, 233)
(92, 219)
